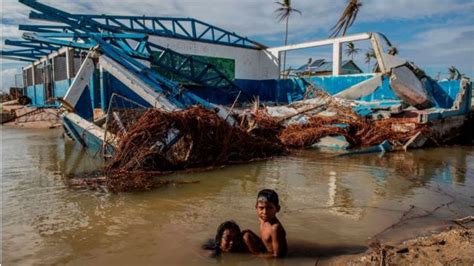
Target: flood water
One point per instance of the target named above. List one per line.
(329, 205)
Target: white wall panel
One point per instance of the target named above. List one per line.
(249, 63)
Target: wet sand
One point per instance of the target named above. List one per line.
(450, 247)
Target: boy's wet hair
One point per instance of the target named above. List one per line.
(268, 195)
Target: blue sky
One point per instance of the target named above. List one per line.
(435, 34)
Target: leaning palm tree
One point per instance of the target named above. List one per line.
(351, 50)
(454, 73)
(283, 14)
(347, 18)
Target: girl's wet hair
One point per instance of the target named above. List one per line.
(214, 244)
(227, 225)
(268, 195)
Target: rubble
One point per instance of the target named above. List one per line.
(152, 142)
(161, 141)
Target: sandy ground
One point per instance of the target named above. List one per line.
(451, 247)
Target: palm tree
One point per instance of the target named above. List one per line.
(347, 18)
(368, 57)
(351, 50)
(392, 50)
(454, 73)
(283, 13)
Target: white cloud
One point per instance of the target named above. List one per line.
(7, 75)
(251, 17)
(440, 48)
(376, 10)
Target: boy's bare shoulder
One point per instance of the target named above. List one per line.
(278, 227)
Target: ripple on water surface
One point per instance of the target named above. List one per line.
(328, 204)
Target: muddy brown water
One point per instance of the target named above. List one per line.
(329, 205)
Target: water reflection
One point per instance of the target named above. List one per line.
(330, 205)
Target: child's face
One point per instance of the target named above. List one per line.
(229, 240)
(266, 211)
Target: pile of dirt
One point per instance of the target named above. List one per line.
(452, 247)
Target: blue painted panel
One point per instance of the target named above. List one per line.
(465, 105)
(115, 85)
(279, 91)
(265, 89)
(39, 95)
(60, 87)
(383, 92)
(282, 91)
(83, 136)
(30, 92)
(451, 87)
(84, 105)
(214, 95)
(336, 84)
(103, 84)
(95, 92)
(445, 92)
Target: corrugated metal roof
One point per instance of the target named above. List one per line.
(319, 65)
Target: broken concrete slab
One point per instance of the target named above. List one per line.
(409, 88)
(361, 89)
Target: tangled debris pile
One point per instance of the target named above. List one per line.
(195, 137)
(304, 123)
(157, 142)
(168, 141)
(151, 142)
(359, 132)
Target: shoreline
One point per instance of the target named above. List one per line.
(450, 246)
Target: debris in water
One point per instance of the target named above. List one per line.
(168, 141)
(122, 181)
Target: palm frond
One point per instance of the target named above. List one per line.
(454, 73)
(285, 10)
(347, 18)
(387, 41)
(351, 50)
(369, 55)
(297, 11)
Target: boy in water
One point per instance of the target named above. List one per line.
(272, 240)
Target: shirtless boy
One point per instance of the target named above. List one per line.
(272, 240)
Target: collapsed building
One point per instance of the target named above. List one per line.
(106, 72)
